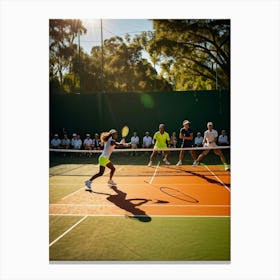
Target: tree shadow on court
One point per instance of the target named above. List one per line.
(120, 200)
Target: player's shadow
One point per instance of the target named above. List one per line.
(120, 200)
(205, 177)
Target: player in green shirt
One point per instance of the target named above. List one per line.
(161, 139)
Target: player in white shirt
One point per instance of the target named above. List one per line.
(209, 140)
(109, 138)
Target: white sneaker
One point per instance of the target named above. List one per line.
(112, 183)
(195, 163)
(150, 164)
(166, 161)
(88, 185)
(179, 163)
(226, 167)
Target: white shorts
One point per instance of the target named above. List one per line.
(205, 152)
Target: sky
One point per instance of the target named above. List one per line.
(111, 28)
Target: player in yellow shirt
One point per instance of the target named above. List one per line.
(161, 139)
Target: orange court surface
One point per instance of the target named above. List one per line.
(159, 190)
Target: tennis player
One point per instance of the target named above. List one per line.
(209, 140)
(186, 134)
(109, 138)
(162, 139)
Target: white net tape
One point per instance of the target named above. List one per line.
(140, 149)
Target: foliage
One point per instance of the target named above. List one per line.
(193, 52)
(62, 34)
(190, 54)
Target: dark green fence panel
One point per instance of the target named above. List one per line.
(140, 111)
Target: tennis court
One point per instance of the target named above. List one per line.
(158, 213)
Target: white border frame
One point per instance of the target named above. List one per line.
(255, 112)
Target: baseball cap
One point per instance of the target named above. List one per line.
(87, 135)
(56, 135)
(161, 125)
(186, 122)
(74, 134)
(209, 123)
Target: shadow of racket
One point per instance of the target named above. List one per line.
(175, 193)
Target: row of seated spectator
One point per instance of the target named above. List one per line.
(76, 142)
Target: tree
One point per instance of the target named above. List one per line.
(125, 69)
(62, 34)
(190, 51)
(191, 55)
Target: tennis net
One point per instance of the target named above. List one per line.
(134, 162)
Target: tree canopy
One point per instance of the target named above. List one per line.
(191, 55)
(193, 51)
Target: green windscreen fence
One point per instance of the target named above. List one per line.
(90, 113)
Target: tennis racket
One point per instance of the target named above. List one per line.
(125, 131)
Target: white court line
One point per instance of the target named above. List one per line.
(153, 177)
(147, 205)
(70, 194)
(216, 177)
(121, 215)
(68, 230)
(134, 184)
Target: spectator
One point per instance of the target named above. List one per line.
(209, 140)
(88, 144)
(173, 140)
(96, 142)
(223, 139)
(79, 140)
(198, 140)
(147, 140)
(186, 134)
(134, 142)
(76, 142)
(65, 142)
(55, 142)
(63, 131)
